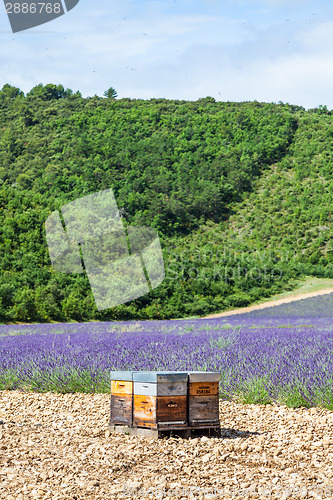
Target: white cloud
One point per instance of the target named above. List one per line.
(185, 49)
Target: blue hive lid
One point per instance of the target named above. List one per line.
(203, 376)
(159, 377)
(121, 375)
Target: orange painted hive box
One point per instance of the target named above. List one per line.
(121, 398)
(160, 399)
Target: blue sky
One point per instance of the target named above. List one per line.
(237, 50)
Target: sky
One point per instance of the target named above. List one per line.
(232, 50)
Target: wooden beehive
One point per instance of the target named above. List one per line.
(203, 398)
(160, 399)
(121, 398)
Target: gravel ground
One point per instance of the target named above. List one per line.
(56, 446)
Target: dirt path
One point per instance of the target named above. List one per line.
(271, 303)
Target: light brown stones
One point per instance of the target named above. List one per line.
(55, 446)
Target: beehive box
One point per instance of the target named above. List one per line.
(160, 399)
(121, 398)
(203, 398)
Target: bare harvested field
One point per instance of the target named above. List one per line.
(57, 446)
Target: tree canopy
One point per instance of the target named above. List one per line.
(240, 193)
(110, 93)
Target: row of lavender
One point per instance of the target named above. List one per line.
(261, 357)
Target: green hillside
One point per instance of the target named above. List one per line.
(240, 193)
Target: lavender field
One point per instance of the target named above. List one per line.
(270, 355)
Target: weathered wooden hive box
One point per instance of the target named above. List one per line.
(160, 399)
(203, 398)
(121, 398)
(153, 403)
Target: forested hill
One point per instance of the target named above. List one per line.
(240, 193)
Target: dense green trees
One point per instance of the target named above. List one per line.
(49, 92)
(110, 93)
(241, 194)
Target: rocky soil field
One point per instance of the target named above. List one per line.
(55, 446)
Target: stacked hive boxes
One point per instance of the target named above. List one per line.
(121, 398)
(203, 398)
(159, 399)
(165, 400)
